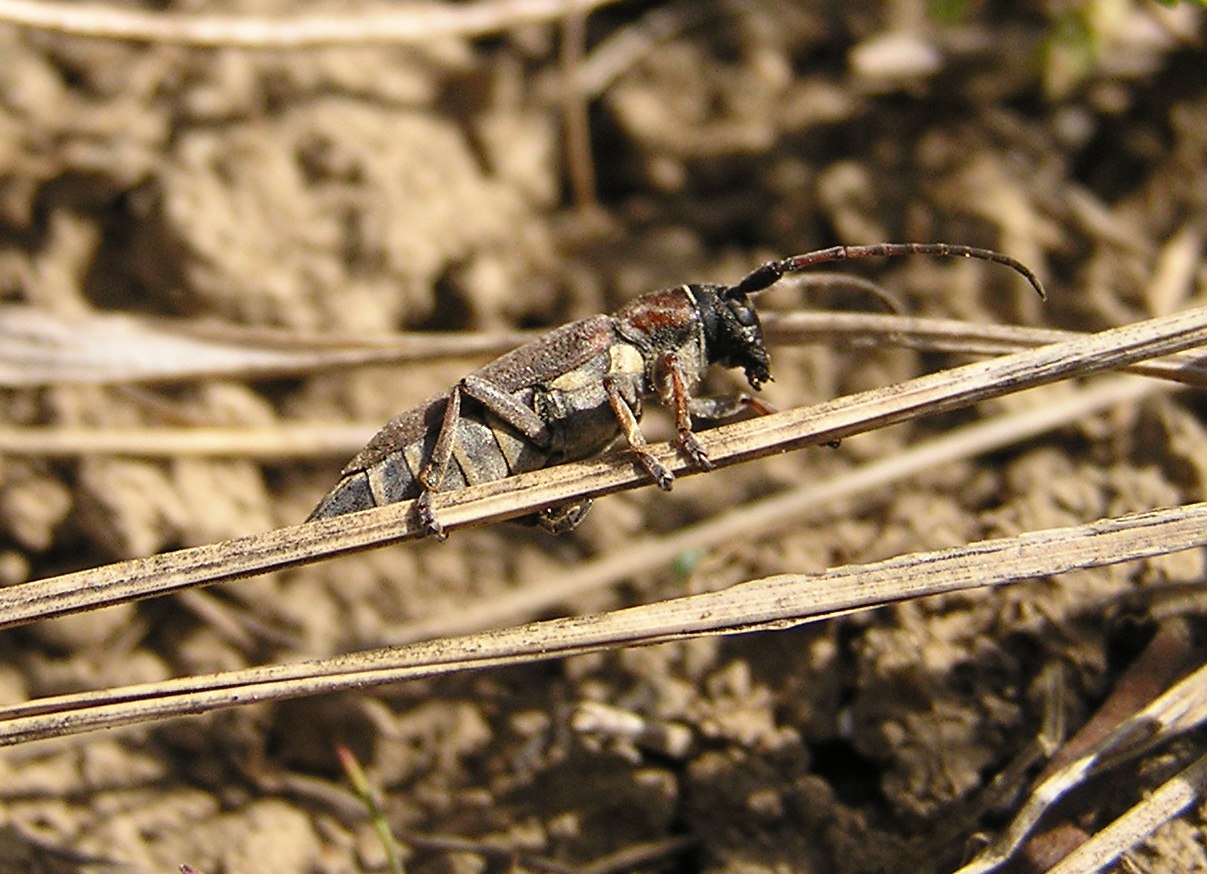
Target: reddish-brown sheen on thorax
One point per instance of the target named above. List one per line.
(669, 310)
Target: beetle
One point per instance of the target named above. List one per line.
(576, 390)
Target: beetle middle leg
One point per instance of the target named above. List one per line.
(623, 410)
(686, 408)
(497, 402)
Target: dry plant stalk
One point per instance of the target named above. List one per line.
(262, 443)
(951, 335)
(414, 24)
(764, 516)
(576, 125)
(1167, 801)
(41, 349)
(526, 493)
(1179, 709)
(758, 605)
(752, 519)
(773, 603)
(777, 602)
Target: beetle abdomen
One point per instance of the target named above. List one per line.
(485, 450)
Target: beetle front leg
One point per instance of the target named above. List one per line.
(716, 409)
(681, 404)
(632, 432)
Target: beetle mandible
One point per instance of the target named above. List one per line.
(573, 392)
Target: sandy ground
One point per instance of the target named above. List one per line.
(357, 191)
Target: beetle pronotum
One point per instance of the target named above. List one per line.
(574, 391)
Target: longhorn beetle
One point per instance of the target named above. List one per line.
(572, 392)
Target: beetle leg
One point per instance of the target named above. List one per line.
(432, 475)
(427, 515)
(632, 433)
(727, 406)
(680, 399)
(507, 408)
(561, 519)
(496, 401)
(556, 520)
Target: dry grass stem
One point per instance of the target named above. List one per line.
(799, 506)
(263, 443)
(525, 493)
(414, 24)
(627, 47)
(42, 348)
(576, 125)
(772, 603)
(240, 236)
(1168, 656)
(950, 335)
(1179, 709)
(279, 442)
(1168, 801)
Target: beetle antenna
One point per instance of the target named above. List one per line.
(765, 276)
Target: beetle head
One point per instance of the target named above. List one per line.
(733, 332)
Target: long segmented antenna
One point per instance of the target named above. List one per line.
(767, 275)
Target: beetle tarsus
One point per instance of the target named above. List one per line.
(663, 477)
(427, 516)
(690, 446)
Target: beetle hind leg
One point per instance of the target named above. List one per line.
(427, 515)
(496, 401)
(561, 519)
(431, 477)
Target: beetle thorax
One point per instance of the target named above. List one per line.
(665, 322)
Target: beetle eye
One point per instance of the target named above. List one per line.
(742, 312)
